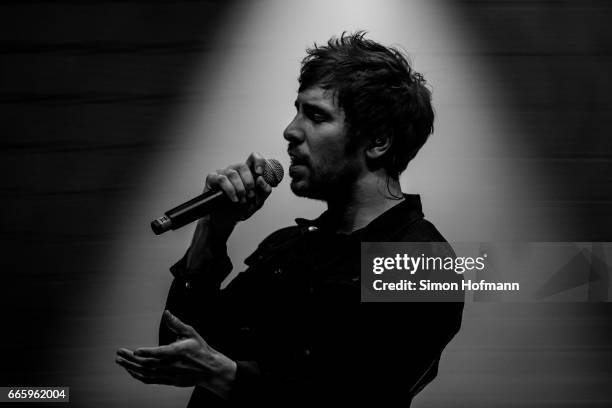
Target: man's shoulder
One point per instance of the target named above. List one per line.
(421, 230)
(430, 238)
(280, 236)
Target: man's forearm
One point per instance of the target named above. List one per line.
(198, 274)
(209, 242)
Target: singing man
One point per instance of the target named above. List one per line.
(291, 329)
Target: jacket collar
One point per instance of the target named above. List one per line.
(382, 227)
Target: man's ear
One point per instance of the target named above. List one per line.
(378, 147)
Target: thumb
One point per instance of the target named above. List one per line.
(177, 326)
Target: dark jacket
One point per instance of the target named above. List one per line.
(294, 323)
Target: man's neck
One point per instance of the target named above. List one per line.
(368, 198)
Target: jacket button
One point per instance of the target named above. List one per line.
(278, 271)
(312, 228)
(307, 352)
(188, 285)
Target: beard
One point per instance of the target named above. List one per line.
(323, 182)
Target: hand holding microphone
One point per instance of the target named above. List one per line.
(235, 192)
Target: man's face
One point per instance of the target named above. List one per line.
(322, 161)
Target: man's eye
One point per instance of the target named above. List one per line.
(317, 117)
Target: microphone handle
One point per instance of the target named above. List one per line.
(190, 211)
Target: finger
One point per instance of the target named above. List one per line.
(256, 162)
(210, 183)
(127, 364)
(161, 352)
(177, 326)
(234, 177)
(152, 366)
(130, 365)
(247, 179)
(263, 190)
(219, 181)
(137, 375)
(141, 361)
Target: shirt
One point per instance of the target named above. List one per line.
(295, 325)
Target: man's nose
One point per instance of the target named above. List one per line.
(293, 133)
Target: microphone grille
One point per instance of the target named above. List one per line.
(273, 172)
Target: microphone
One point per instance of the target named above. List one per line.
(208, 202)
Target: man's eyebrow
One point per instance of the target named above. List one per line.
(314, 106)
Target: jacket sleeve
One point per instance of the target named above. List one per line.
(193, 292)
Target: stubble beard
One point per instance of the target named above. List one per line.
(323, 185)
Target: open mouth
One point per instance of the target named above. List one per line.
(297, 160)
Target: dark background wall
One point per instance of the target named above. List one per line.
(88, 92)
(553, 60)
(86, 89)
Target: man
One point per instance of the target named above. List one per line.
(291, 329)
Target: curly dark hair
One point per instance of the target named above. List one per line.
(381, 95)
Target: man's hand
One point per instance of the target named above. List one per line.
(242, 184)
(187, 362)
